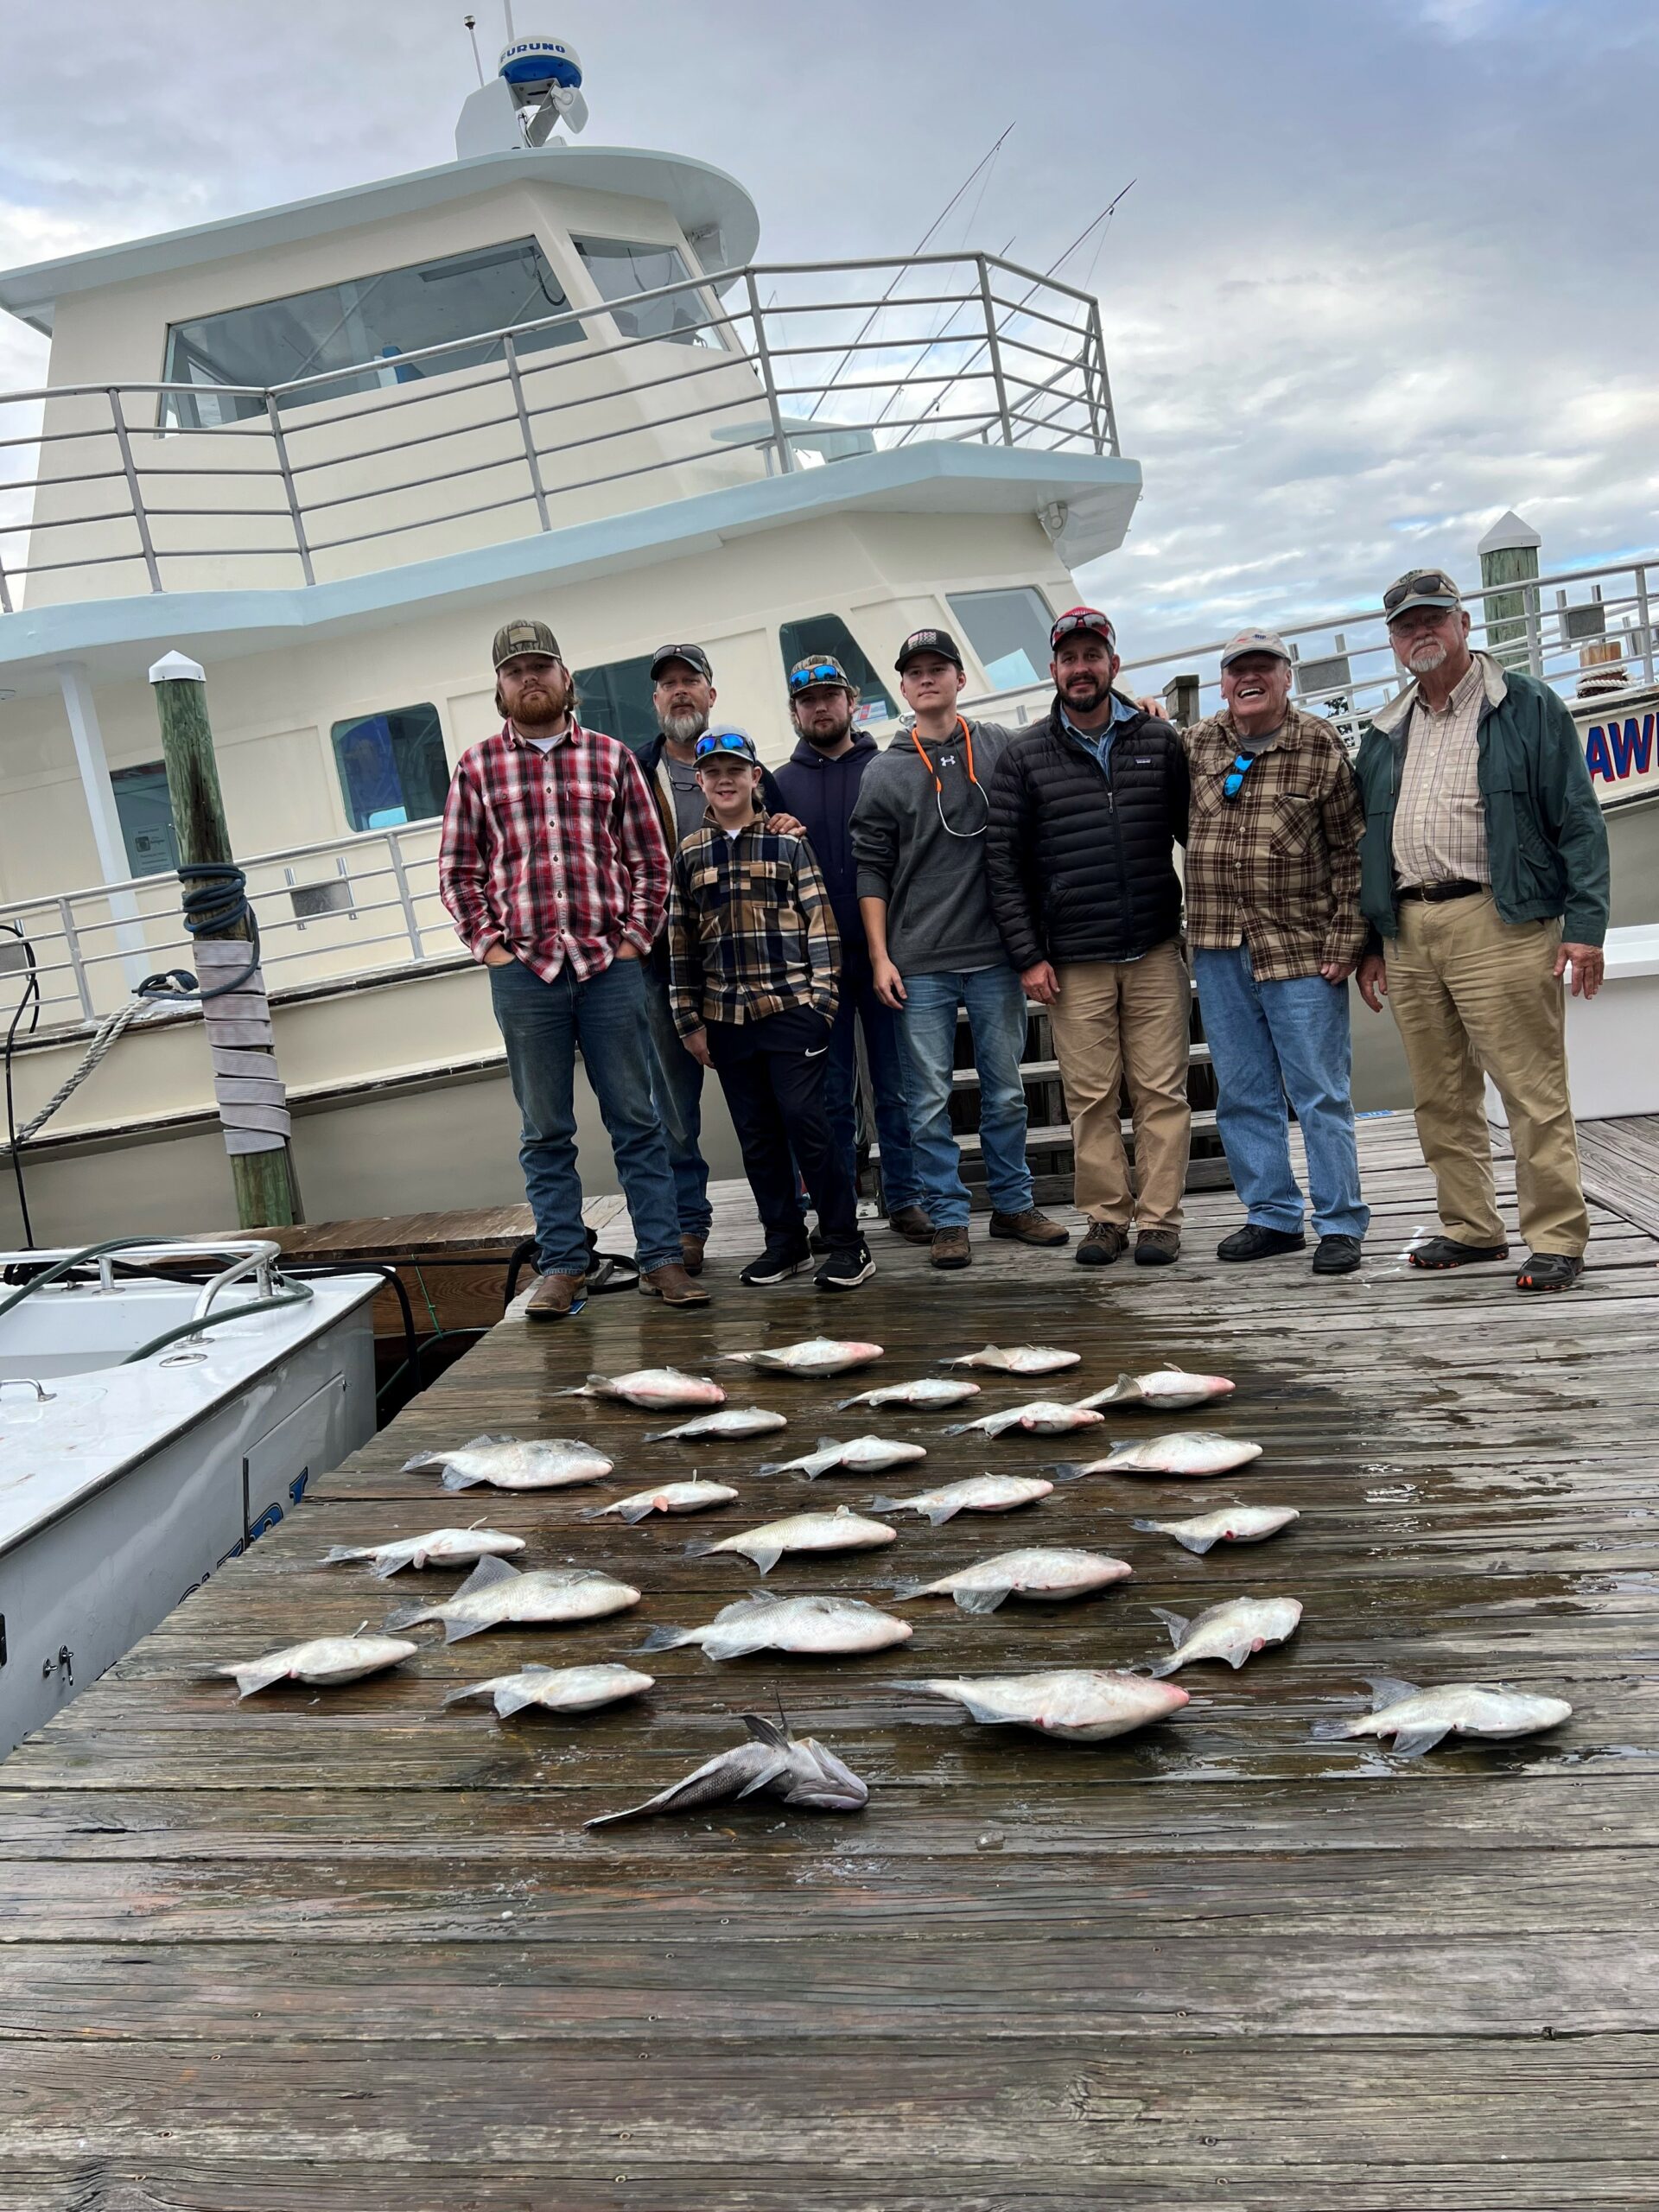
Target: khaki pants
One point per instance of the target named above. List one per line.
(1470, 995)
(1115, 1019)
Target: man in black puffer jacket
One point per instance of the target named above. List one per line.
(1085, 813)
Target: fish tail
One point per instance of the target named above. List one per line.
(420, 1462)
(336, 1552)
(1069, 1470)
(1164, 1667)
(886, 1504)
(956, 1428)
(406, 1616)
(903, 1590)
(1330, 1731)
(666, 1639)
(774, 1467)
(659, 1436)
(700, 1549)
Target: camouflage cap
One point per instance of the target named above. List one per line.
(523, 636)
(1255, 641)
(820, 668)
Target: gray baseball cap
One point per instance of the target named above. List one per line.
(1420, 587)
(1255, 641)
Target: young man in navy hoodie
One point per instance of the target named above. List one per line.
(819, 785)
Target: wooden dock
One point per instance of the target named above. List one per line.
(345, 1949)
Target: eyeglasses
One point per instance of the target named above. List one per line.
(1095, 625)
(723, 741)
(1233, 782)
(1421, 580)
(825, 671)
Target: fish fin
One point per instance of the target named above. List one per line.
(979, 1601)
(661, 1436)
(765, 1558)
(336, 1552)
(578, 1390)
(1177, 1623)
(978, 1712)
(453, 1479)
(1199, 1544)
(508, 1699)
(901, 1591)
(259, 1676)
(769, 1774)
(1388, 1689)
(632, 1812)
(1164, 1667)
(593, 1512)
(777, 1466)
(958, 1428)
(1236, 1654)
(700, 1547)
(886, 1504)
(665, 1639)
(1067, 1471)
(840, 1405)
(489, 1571)
(769, 1732)
(1412, 1743)
(1332, 1731)
(455, 1631)
(421, 1462)
(937, 1514)
(632, 1513)
(829, 1444)
(406, 1616)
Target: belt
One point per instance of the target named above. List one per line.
(1434, 894)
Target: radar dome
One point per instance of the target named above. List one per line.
(536, 67)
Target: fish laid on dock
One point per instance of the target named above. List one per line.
(1167, 1390)
(551, 1463)
(437, 1547)
(1228, 1524)
(926, 1390)
(668, 1497)
(1418, 1718)
(813, 1356)
(1232, 1630)
(1018, 1360)
(860, 1455)
(559, 1689)
(976, 1494)
(1049, 1572)
(1183, 1451)
(1081, 1705)
(731, 1421)
(819, 1627)
(1040, 1417)
(322, 1659)
(658, 1389)
(495, 1595)
(798, 1770)
(844, 1530)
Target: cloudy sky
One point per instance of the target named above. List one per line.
(1386, 270)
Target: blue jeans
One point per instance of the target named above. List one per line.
(1266, 1040)
(884, 1049)
(676, 1092)
(995, 1000)
(542, 1025)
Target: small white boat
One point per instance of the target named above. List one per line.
(149, 1430)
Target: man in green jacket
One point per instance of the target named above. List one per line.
(1483, 878)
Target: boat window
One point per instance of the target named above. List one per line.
(1008, 632)
(619, 269)
(392, 767)
(145, 813)
(616, 697)
(368, 319)
(828, 633)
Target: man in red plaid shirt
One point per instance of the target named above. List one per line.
(554, 868)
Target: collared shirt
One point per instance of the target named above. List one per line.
(1278, 866)
(690, 804)
(1440, 822)
(750, 928)
(1099, 741)
(557, 855)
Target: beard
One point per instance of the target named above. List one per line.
(685, 729)
(1426, 657)
(821, 737)
(544, 703)
(1084, 691)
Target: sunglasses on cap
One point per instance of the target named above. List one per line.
(1419, 583)
(824, 671)
(1086, 620)
(724, 740)
(1233, 782)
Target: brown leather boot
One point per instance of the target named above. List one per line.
(952, 1248)
(554, 1296)
(1029, 1228)
(912, 1224)
(691, 1250)
(672, 1284)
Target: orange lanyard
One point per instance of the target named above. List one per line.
(938, 788)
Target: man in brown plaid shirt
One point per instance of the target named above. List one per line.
(1272, 919)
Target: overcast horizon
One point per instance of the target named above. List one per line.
(1379, 279)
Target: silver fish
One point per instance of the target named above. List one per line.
(551, 1463)
(1229, 1524)
(560, 1689)
(667, 1497)
(814, 1356)
(814, 1625)
(1018, 1360)
(861, 1455)
(844, 1530)
(1168, 1389)
(1183, 1452)
(731, 1421)
(1081, 1705)
(495, 1595)
(658, 1389)
(1418, 1718)
(1044, 1571)
(437, 1547)
(774, 1762)
(1232, 1630)
(324, 1659)
(976, 1494)
(926, 1390)
(1038, 1417)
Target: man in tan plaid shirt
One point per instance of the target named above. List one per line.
(1274, 922)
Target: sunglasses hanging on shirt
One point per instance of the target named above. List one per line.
(1233, 782)
(938, 788)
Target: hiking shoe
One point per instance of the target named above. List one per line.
(556, 1298)
(1438, 1253)
(691, 1250)
(1337, 1256)
(1549, 1271)
(776, 1264)
(672, 1284)
(1157, 1248)
(1029, 1228)
(846, 1270)
(912, 1224)
(950, 1247)
(1102, 1242)
(1254, 1242)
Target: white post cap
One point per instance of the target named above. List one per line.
(1509, 533)
(178, 668)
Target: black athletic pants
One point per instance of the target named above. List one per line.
(772, 1072)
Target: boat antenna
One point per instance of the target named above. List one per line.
(506, 9)
(471, 23)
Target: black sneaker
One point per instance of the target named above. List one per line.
(1337, 1256)
(846, 1270)
(776, 1264)
(1254, 1242)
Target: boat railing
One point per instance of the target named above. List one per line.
(110, 489)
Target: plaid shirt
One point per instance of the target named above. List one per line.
(1440, 822)
(750, 928)
(1279, 866)
(558, 857)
